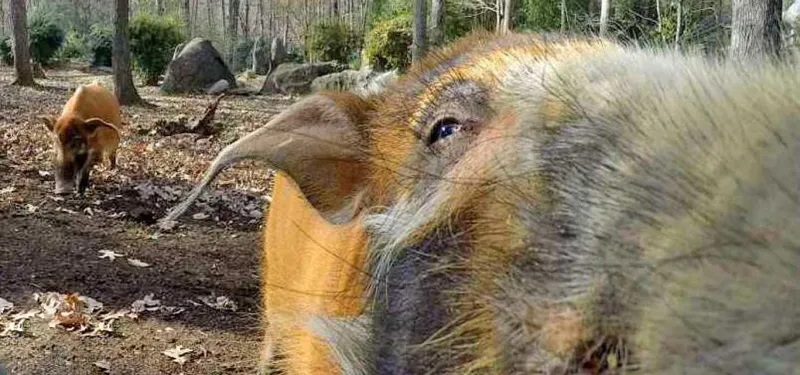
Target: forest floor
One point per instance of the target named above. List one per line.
(193, 288)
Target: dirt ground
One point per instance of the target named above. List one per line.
(104, 245)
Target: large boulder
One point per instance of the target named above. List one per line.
(292, 78)
(197, 67)
(260, 57)
(277, 52)
(364, 81)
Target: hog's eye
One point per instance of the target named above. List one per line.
(443, 129)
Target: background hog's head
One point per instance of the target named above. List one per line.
(73, 138)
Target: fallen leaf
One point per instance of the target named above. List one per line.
(167, 224)
(115, 315)
(12, 328)
(25, 315)
(109, 254)
(5, 306)
(44, 173)
(67, 210)
(178, 354)
(31, 208)
(148, 303)
(103, 365)
(137, 263)
(91, 305)
(200, 216)
(101, 329)
(172, 310)
(219, 303)
(88, 211)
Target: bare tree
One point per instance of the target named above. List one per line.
(232, 34)
(160, 7)
(505, 26)
(605, 5)
(678, 23)
(121, 58)
(2, 18)
(437, 22)
(187, 15)
(420, 27)
(22, 53)
(261, 18)
(755, 29)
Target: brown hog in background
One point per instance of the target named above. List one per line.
(558, 206)
(86, 132)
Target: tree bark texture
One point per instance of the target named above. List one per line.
(755, 29)
(121, 58)
(233, 12)
(187, 15)
(418, 46)
(437, 22)
(605, 5)
(22, 53)
(507, 12)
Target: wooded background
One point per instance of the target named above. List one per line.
(389, 33)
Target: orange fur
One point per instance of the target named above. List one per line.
(309, 267)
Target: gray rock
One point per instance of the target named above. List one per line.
(277, 52)
(219, 87)
(197, 67)
(261, 55)
(362, 81)
(292, 78)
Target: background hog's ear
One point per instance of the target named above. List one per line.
(93, 124)
(319, 142)
(49, 122)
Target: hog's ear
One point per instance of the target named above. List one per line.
(49, 122)
(319, 142)
(91, 125)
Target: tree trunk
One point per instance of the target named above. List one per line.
(195, 23)
(755, 29)
(2, 18)
(121, 58)
(160, 7)
(420, 27)
(246, 20)
(22, 53)
(224, 22)
(678, 23)
(507, 11)
(210, 16)
(604, 7)
(563, 16)
(437, 22)
(233, 12)
(261, 18)
(187, 15)
(498, 26)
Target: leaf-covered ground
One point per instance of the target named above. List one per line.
(88, 285)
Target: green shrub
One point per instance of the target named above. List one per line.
(6, 53)
(242, 55)
(74, 46)
(328, 41)
(46, 38)
(388, 44)
(153, 40)
(101, 43)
